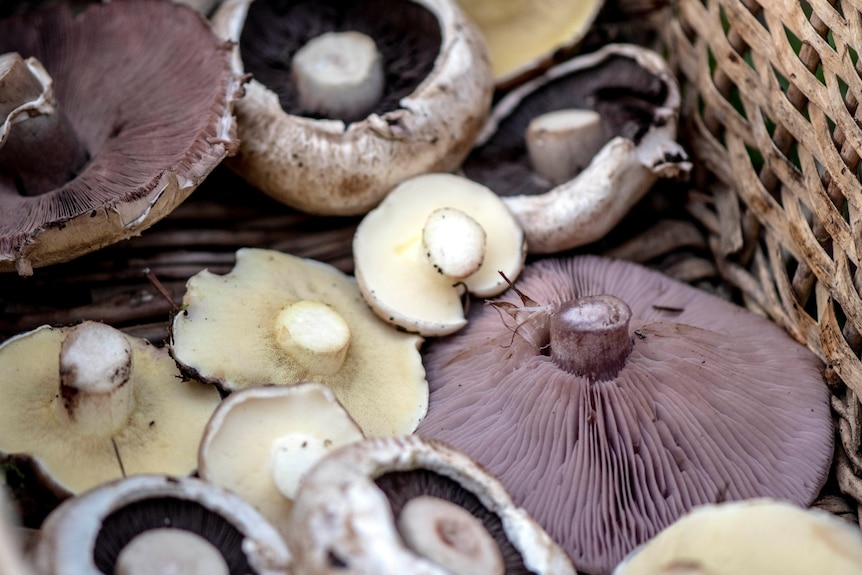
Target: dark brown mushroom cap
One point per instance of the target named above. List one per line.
(713, 403)
(148, 89)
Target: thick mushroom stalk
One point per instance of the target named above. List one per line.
(562, 143)
(454, 242)
(450, 536)
(96, 395)
(169, 551)
(339, 75)
(313, 334)
(31, 123)
(590, 336)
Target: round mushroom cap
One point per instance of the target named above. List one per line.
(437, 94)
(148, 89)
(712, 403)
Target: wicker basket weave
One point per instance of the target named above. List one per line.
(772, 95)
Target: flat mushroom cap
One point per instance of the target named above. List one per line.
(148, 89)
(227, 332)
(161, 433)
(712, 403)
(634, 92)
(438, 89)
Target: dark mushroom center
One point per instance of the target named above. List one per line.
(589, 336)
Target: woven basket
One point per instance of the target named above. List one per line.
(773, 119)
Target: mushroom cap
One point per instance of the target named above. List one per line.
(638, 98)
(426, 121)
(149, 91)
(225, 335)
(344, 510)
(754, 537)
(523, 37)
(713, 403)
(85, 534)
(238, 445)
(161, 435)
(393, 272)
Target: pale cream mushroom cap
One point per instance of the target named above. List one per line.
(160, 434)
(392, 263)
(752, 537)
(226, 335)
(261, 441)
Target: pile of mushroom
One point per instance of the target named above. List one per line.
(610, 399)
(99, 138)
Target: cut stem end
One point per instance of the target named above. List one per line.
(313, 334)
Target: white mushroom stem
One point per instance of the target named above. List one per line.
(292, 456)
(314, 335)
(454, 243)
(450, 536)
(96, 394)
(169, 551)
(562, 143)
(38, 146)
(590, 336)
(339, 75)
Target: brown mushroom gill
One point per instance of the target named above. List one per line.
(712, 403)
(625, 94)
(275, 30)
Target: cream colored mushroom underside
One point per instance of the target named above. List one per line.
(163, 431)
(226, 334)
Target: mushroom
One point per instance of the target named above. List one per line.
(755, 537)
(11, 547)
(610, 399)
(350, 99)
(410, 505)
(434, 238)
(567, 175)
(524, 37)
(280, 319)
(111, 406)
(114, 137)
(261, 441)
(159, 524)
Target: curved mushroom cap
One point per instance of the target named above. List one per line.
(150, 422)
(638, 100)
(88, 534)
(437, 95)
(699, 401)
(755, 537)
(148, 90)
(345, 514)
(524, 36)
(235, 332)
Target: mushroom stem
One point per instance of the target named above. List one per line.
(39, 150)
(590, 336)
(450, 536)
(562, 143)
(454, 243)
(339, 75)
(170, 551)
(314, 335)
(96, 393)
(292, 456)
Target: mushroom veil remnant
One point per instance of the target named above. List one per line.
(350, 98)
(610, 399)
(99, 139)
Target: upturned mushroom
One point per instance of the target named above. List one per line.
(409, 505)
(280, 319)
(755, 537)
(574, 149)
(261, 441)
(432, 241)
(610, 399)
(87, 404)
(114, 137)
(349, 99)
(159, 524)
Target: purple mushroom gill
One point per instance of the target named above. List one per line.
(682, 399)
